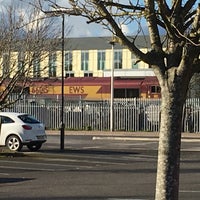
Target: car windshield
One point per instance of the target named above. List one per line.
(28, 119)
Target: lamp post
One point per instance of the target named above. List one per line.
(62, 128)
(112, 42)
(60, 12)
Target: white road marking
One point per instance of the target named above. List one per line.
(41, 164)
(191, 149)
(27, 168)
(138, 138)
(124, 199)
(87, 161)
(81, 163)
(123, 138)
(4, 174)
(190, 191)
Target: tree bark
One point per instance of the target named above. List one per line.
(167, 183)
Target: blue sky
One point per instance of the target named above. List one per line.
(79, 27)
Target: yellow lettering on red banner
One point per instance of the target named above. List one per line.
(91, 92)
(76, 90)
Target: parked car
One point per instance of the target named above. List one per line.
(18, 129)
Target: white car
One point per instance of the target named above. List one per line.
(18, 129)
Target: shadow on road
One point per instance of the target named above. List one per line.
(14, 180)
(89, 151)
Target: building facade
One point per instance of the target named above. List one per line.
(89, 58)
(92, 57)
(83, 57)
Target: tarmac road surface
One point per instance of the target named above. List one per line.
(95, 167)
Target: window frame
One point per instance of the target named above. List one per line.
(68, 61)
(84, 60)
(118, 59)
(52, 64)
(101, 60)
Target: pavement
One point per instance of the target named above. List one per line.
(119, 133)
(114, 135)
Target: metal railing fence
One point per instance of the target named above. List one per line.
(128, 114)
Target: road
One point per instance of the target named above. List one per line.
(94, 168)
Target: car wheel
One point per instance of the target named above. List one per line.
(14, 143)
(34, 147)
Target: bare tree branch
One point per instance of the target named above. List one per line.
(21, 37)
(152, 19)
(188, 6)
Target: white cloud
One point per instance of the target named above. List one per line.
(80, 28)
(125, 29)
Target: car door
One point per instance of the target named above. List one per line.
(5, 127)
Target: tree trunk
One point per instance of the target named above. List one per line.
(167, 184)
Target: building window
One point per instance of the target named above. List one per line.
(117, 59)
(36, 68)
(155, 89)
(6, 64)
(88, 74)
(134, 61)
(21, 58)
(84, 60)
(126, 93)
(69, 74)
(52, 65)
(101, 60)
(68, 61)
